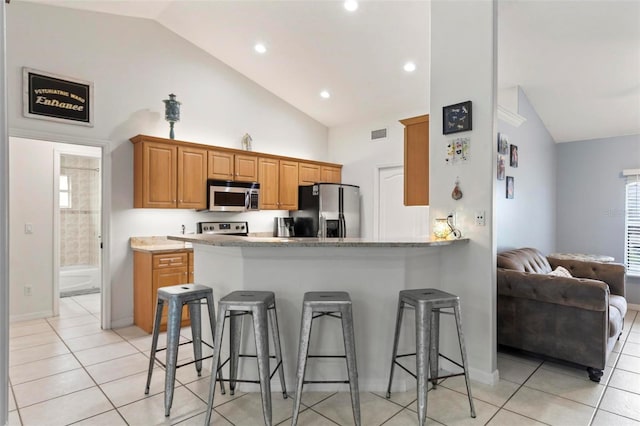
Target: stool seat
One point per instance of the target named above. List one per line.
(435, 297)
(244, 299)
(185, 292)
(428, 304)
(176, 297)
(328, 303)
(261, 305)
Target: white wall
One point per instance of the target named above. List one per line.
(134, 65)
(529, 219)
(463, 67)
(351, 145)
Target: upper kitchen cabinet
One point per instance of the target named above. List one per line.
(278, 184)
(225, 165)
(269, 178)
(330, 174)
(416, 161)
(168, 175)
(288, 188)
(308, 173)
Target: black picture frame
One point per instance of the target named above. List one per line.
(53, 97)
(513, 155)
(511, 189)
(456, 118)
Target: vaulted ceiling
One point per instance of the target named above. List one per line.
(577, 61)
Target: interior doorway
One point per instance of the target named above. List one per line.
(58, 222)
(79, 229)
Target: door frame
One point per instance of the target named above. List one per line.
(105, 166)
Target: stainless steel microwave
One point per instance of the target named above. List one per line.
(228, 196)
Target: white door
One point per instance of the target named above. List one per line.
(394, 219)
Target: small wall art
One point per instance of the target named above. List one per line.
(456, 118)
(458, 150)
(513, 156)
(503, 144)
(510, 187)
(501, 167)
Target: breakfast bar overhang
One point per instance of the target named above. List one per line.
(372, 271)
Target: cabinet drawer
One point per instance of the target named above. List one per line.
(170, 260)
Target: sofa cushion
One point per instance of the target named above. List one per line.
(615, 321)
(524, 260)
(619, 303)
(561, 272)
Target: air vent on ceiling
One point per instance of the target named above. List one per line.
(378, 134)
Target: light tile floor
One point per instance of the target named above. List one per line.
(66, 370)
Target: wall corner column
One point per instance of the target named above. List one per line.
(4, 227)
(464, 68)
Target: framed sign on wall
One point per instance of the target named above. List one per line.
(48, 96)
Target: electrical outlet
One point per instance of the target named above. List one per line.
(27, 290)
(452, 215)
(481, 219)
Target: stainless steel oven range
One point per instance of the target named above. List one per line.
(223, 228)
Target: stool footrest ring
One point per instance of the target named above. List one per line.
(279, 365)
(325, 381)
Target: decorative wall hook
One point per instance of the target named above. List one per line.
(456, 194)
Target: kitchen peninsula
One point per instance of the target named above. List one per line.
(372, 271)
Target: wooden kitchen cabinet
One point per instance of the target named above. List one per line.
(308, 173)
(269, 178)
(226, 165)
(173, 174)
(288, 185)
(416, 161)
(152, 271)
(278, 184)
(169, 176)
(192, 182)
(330, 174)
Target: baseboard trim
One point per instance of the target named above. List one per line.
(124, 322)
(633, 306)
(30, 316)
(481, 376)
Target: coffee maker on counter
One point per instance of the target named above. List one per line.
(283, 227)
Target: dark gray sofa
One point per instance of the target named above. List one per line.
(572, 319)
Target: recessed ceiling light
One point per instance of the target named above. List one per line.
(324, 94)
(409, 67)
(260, 48)
(351, 5)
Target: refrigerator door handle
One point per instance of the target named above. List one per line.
(342, 231)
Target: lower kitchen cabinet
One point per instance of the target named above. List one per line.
(152, 271)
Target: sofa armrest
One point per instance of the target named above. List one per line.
(611, 273)
(581, 293)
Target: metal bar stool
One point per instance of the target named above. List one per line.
(260, 305)
(327, 303)
(428, 304)
(177, 296)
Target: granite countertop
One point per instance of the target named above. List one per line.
(158, 244)
(236, 241)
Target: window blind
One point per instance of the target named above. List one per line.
(632, 222)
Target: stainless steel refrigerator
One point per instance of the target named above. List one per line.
(330, 210)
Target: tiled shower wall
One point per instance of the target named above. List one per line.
(80, 224)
